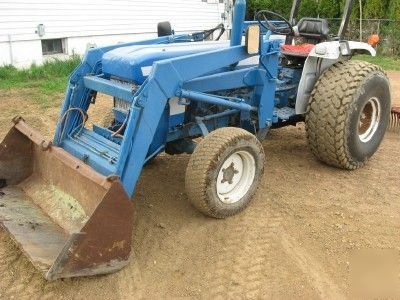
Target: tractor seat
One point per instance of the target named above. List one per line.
(313, 29)
(302, 50)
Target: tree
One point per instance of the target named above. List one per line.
(375, 9)
(281, 7)
(329, 9)
(394, 10)
(308, 8)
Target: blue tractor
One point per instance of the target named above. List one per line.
(67, 204)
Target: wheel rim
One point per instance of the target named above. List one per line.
(236, 177)
(369, 120)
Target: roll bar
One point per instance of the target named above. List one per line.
(346, 18)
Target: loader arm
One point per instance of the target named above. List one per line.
(165, 81)
(148, 102)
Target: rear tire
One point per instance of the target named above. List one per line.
(348, 114)
(224, 171)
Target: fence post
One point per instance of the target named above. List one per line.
(361, 17)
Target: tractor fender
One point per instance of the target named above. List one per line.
(321, 58)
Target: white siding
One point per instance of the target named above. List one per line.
(98, 22)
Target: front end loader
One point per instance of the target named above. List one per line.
(67, 218)
(67, 202)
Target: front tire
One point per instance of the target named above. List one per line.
(348, 114)
(224, 171)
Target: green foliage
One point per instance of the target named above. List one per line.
(329, 9)
(392, 40)
(49, 70)
(281, 7)
(308, 8)
(375, 9)
(387, 63)
(394, 10)
(44, 83)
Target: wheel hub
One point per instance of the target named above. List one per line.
(229, 173)
(235, 177)
(369, 120)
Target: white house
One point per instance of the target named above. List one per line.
(34, 30)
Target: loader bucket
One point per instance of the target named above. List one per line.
(68, 219)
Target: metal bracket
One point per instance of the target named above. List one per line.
(45, 145)
(17, 119)
(113, 178)
(203, 127)
(345, 48)
(262, 133)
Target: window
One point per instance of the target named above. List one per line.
(54, 46)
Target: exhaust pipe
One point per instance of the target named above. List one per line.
(68, 219)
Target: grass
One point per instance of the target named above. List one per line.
(386, 62)
(44, 83)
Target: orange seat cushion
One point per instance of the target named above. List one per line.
(303, 49)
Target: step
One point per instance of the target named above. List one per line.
(38, 236)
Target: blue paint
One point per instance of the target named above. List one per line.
(145, 75)
(133, 62)
(239, 14)
(239, 104)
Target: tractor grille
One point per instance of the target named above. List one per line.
(120, 103)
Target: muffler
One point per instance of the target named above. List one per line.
(68, 219)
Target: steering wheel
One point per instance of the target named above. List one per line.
(263, 17)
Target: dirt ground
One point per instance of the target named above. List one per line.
(295, 240)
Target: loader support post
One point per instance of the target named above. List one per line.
(238, 20)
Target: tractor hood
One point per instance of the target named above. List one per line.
(134, 63)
